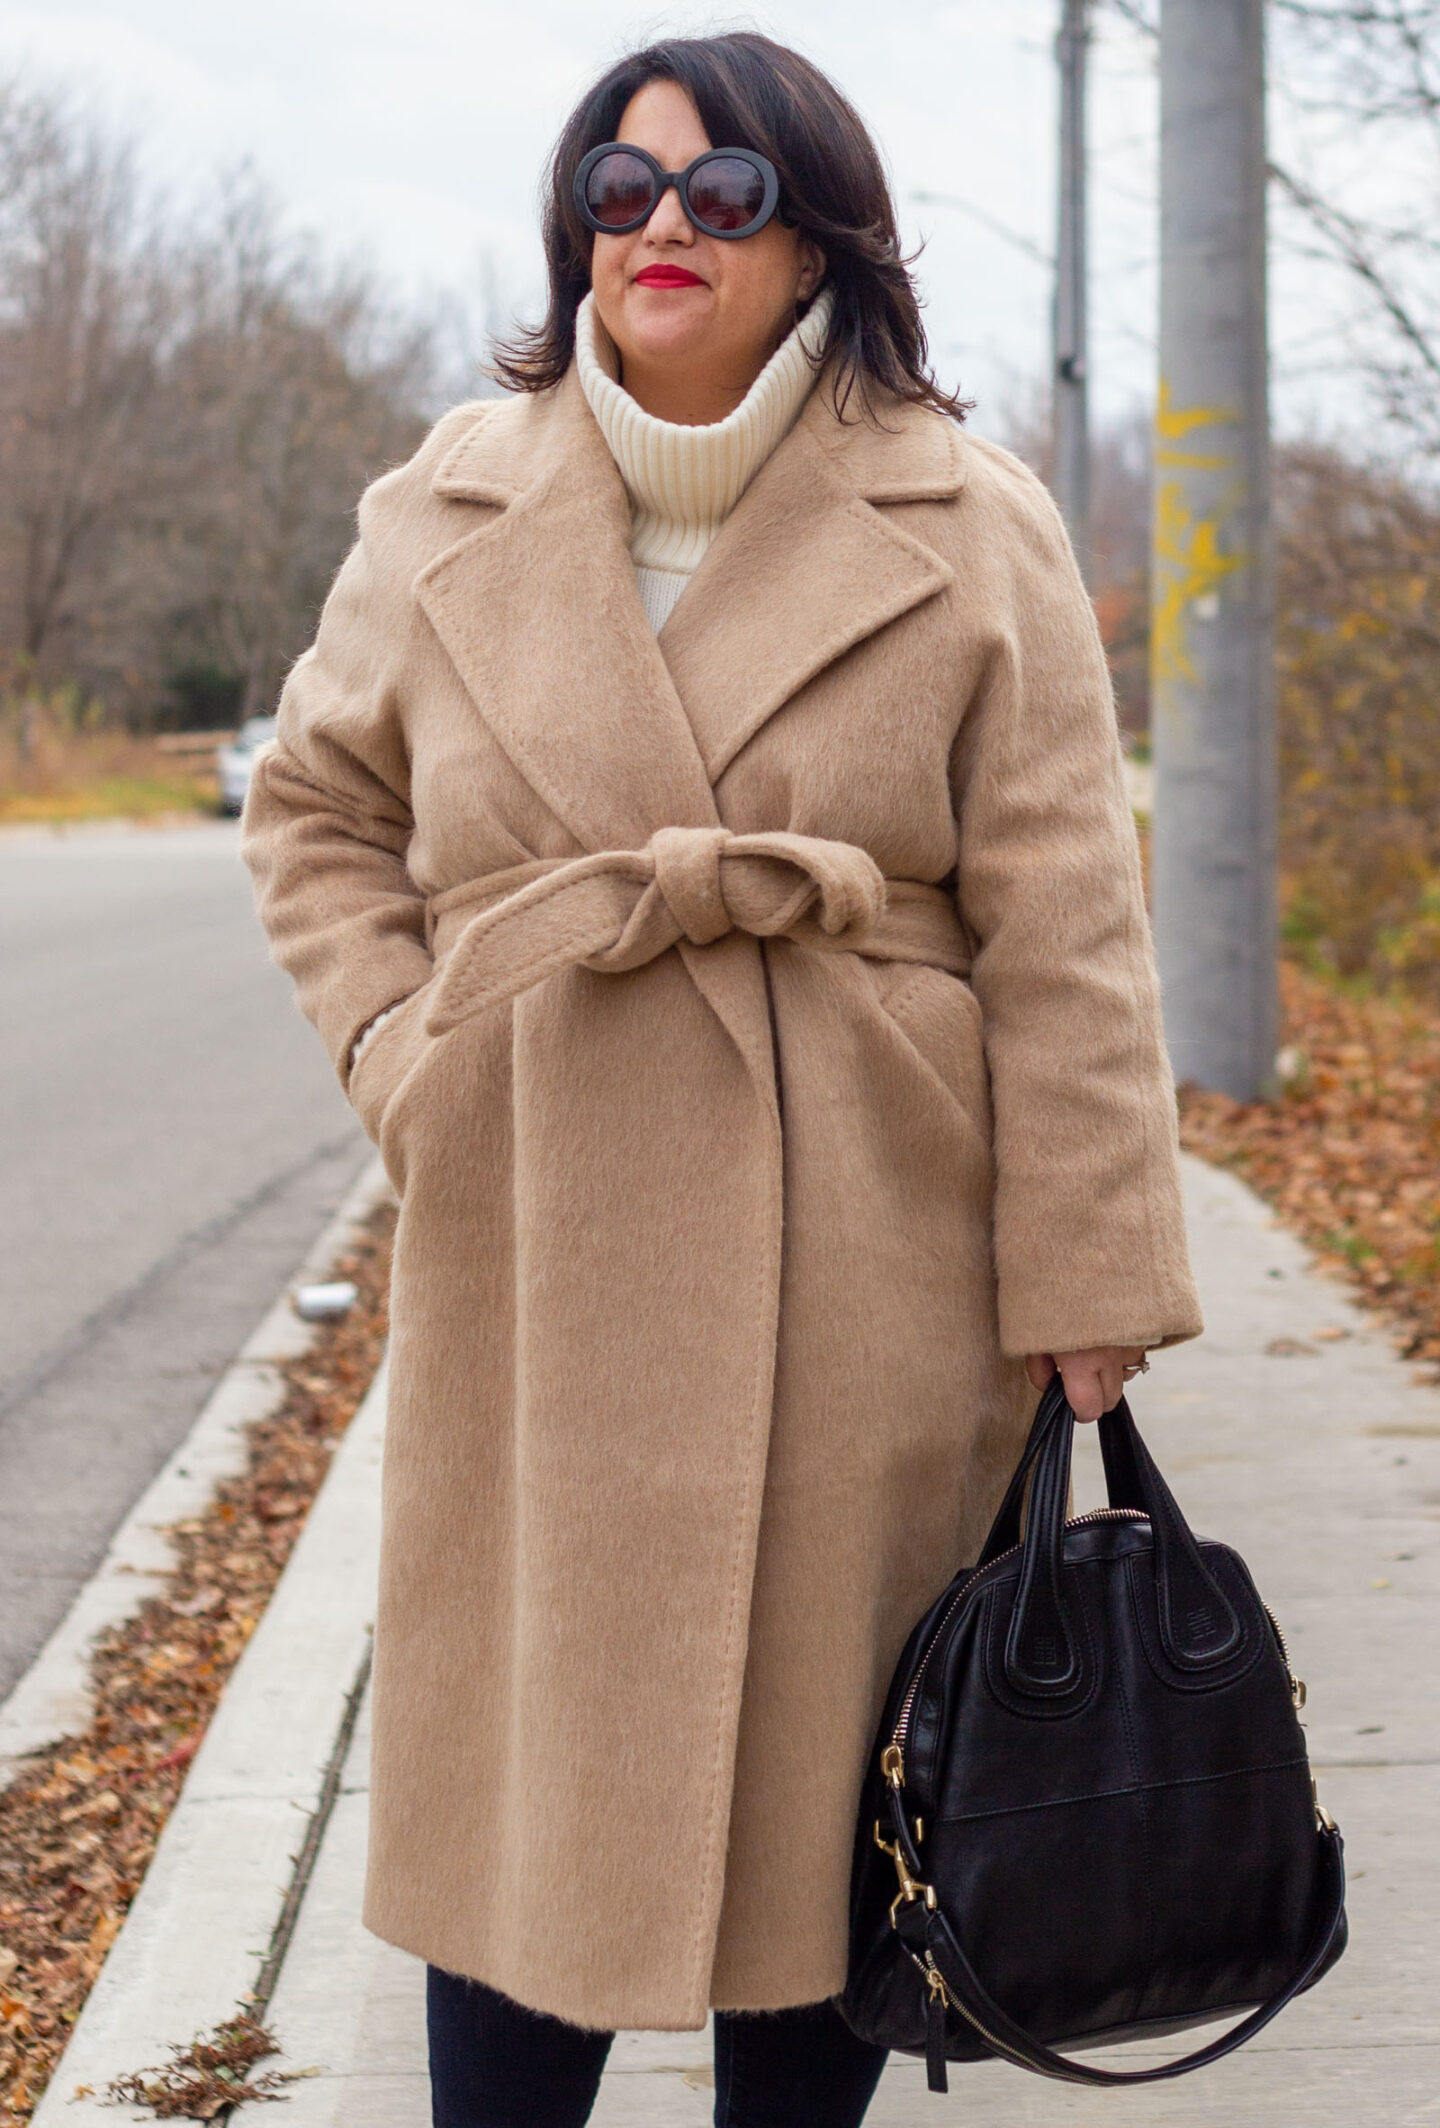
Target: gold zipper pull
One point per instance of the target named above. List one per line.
(935, 2077)
(892, 1765)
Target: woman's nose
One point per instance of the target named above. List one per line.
(669, 224)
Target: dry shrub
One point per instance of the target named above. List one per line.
(59, 761)
(1359, 699)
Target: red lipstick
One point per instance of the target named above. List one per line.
(668, 277)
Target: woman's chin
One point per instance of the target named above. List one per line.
(670, 324)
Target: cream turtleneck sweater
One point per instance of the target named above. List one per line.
(684, 482)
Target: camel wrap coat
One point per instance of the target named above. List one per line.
(780, 1063)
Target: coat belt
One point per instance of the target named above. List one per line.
(498, 936)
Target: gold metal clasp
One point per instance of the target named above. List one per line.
(892, 1847)
(1323, 1818)
(910, 1887)
(1298, 1692)
(908, 1893)
(892, 1765)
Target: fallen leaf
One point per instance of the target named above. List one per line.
(1348, 1159)
(15, 2011)
(180, 1756)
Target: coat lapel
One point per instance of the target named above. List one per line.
(537, 608)
(805, 567)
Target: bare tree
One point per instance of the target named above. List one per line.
(292, 385)
(1371, 69)
(1374, 71)
(84, 315)
(188, 413)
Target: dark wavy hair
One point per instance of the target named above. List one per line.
(753, 93)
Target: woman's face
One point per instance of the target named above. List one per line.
(734, 302)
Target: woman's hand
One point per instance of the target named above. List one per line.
(1093, 1379)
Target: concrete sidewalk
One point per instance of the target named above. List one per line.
(1290, 1429)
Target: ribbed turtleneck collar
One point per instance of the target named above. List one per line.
(684, 482)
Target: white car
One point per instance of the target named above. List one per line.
(235, 761)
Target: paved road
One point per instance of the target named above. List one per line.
(171, 1141)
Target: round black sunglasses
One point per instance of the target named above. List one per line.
(726, 192)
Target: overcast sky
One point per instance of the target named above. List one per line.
(415, 130)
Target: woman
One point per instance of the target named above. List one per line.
(698, 835)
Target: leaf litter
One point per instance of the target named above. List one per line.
(1349, 1152)
(209, 2076)
(79, 1823)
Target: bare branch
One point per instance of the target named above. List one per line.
(1348, 238)
(1137, 14)
(1389, 53)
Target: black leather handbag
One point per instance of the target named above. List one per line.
(1091, 1785)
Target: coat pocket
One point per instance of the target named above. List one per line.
(939, 1016)
(386, 1065)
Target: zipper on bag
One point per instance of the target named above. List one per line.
(902, 1719)
(940, 1999)
(1096, 1514)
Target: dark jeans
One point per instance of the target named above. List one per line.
(496, 2065)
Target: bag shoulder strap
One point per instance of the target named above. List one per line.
(929, 1938)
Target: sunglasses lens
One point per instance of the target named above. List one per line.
(620, 190)
(726, 193)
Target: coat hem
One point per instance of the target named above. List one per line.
(492, 1975)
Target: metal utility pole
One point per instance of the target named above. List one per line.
(1212, 624)
(1071, 391)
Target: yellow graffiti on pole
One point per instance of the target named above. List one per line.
(1189, 563)
(1173, 422)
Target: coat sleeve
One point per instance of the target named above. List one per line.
(1090, 1243)
(327, 822)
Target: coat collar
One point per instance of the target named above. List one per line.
(537, 606)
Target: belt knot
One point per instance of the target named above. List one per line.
(687, 872)
(614, 910)
(712, 881)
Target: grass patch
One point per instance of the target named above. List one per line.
(134, 797)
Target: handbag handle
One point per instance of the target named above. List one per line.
(932, 1942)
(1198, 1624)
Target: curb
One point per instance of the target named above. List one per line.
(103, 823)
(210, 1924)
(54, 1698)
